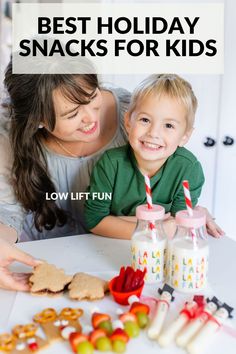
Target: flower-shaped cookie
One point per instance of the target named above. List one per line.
(85, 286)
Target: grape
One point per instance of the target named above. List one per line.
(85, 348)
(142, 319)
(103, 344)
(107, 326)
(131, 328)
(119, 346)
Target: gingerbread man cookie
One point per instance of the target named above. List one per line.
(59, 326)
(23, 339)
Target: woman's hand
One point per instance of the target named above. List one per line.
(212, 228)
(9, 280)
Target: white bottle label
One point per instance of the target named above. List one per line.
(150, 256)
(188, 267)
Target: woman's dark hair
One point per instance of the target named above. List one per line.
(32, 103)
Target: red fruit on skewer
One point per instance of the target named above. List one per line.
(102, 321)
(119, 334)
(75, 339)
(139, 307)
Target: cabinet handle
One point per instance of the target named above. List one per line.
(228, 141)
(209, 142)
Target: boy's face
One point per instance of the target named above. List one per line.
(156, 128)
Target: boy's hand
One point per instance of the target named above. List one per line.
(212, 228)
(8, 279)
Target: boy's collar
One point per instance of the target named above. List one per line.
(133, 160)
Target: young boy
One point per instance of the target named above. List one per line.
(159, 123)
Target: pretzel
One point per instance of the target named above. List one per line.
(71, 314)
(25, 331)
(47, 315)
(7, 342)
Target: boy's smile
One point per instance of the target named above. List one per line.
(150, 145)
(156, 128)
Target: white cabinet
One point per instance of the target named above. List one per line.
(203, 142)
(225, 191)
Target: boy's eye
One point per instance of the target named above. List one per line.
(144, 120)
(169, 125)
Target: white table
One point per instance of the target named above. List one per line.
(97, 254)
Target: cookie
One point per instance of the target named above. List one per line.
(23, 339)
(85, 286)
(59, 326)
(48, 279)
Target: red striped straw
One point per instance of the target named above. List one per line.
(187, 196)
(189, 206)
(149, 204)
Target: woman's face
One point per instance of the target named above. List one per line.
(76, 122)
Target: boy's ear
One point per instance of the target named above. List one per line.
(186, 137)
(127, 121)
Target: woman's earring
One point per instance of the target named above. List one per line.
(40, 126)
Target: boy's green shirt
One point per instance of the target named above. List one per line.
(116, 172)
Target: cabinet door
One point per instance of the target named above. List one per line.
(225, 195)
(203, 141)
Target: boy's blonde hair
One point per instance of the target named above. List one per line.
(171, 85)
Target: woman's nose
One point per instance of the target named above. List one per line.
(87, 114)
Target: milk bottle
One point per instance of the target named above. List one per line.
(188, 253)
(148, 243)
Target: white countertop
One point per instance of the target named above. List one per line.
(90, 254)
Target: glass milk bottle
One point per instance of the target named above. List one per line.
(148, 243)
(188, 253)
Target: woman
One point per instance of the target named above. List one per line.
(54, 150)
(60, 125)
